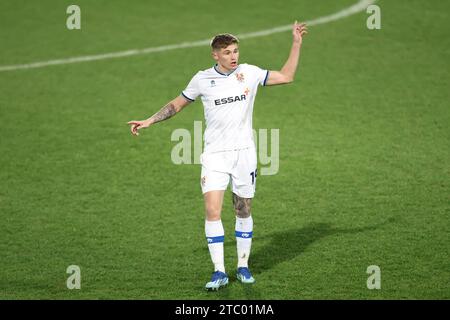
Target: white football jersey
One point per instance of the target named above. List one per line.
(228, 105)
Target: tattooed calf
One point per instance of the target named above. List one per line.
(242, 206)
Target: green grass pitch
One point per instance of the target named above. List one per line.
(364, 176)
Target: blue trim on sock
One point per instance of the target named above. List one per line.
(245, 235)
(215, 239)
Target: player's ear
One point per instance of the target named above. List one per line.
(214, 55)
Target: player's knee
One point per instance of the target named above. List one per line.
(242, 206)
(213, 213)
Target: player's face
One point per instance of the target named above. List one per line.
(228, 57)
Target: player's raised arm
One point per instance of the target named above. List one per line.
(287, 73)
(173, 107)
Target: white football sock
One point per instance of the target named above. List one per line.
(244, 233)
(215, 237)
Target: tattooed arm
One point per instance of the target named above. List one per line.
(166, 112)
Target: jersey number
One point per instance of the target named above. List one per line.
(254, 174)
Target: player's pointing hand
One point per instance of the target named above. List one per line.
(298, 31)
(137, 125)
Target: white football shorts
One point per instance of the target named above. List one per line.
(239, 165)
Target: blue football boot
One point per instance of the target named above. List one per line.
(219, 279)
(244, 275)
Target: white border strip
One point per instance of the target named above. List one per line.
(358, 7)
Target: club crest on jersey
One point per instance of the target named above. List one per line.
(213, 83)
(240, 77)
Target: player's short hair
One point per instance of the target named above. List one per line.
(223, 40)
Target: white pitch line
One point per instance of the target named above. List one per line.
(361, 5)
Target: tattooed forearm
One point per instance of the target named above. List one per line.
(242, 206)
(165, 113)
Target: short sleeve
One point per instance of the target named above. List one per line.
(260, 74)
(192, 90)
